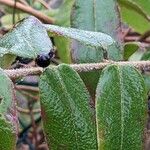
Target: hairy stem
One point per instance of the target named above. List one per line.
(15, 73)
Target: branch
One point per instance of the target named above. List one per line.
(28, 10)
(43, 3)
(26, 88)
(141, 65)
(144, 36)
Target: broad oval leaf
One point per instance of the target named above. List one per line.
(28, 39)
(8, 117)
(68, 119)
(93, 39)
(120, 108)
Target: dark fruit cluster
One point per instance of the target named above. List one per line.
(44, 60)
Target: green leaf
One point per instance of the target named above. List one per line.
(7, 22)
(129, 49)
(6, 61)
(147, 82)
(62, 18)
(120, 108)
(146, 55)
(134, 16)
(99, 16)
(8, 118)
(28, 39)
(145, 5)
(68, 119)
(91, 79)
(102, 16)
(93, 39)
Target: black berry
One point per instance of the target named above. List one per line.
(44, 60)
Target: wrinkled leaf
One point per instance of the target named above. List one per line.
(68, 119)
(28, 39)
(8, 118)
(129, 49)
(93, 39)
(134, 15)
(120, 108)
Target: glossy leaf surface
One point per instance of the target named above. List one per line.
(68, 119)
(8, 118)
(120, 108)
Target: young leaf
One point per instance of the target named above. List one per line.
(146, 55)
(7, 60)
(93, 39)
(68, 119)
(147, 82)
(6, 20)
(120, 108)
(134, 15)
(8, 118)
(129, 49)
(145, 5)
(28, 39)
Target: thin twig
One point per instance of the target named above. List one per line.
(29, 126)
(144, 36)
(30, 106)
(14, 13)
(29, 10)
(43, 3)
(35, 98)
(26, 88)
(27, 111)
(15, 73)
(24, 2)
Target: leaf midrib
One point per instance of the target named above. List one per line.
(121, 105)
(69, 96)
